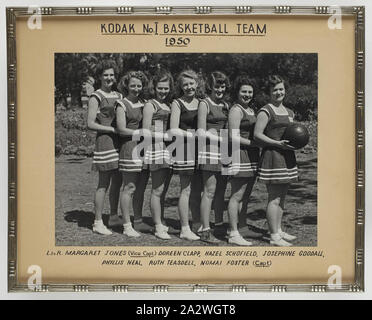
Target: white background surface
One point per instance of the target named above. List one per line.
(142, 296)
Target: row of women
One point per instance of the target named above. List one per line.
(264, 156)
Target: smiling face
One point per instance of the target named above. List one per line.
(188, 86)
(107, 78)
(134, 87)
(162, 90)
(245, 94)
(218, 91)
(277, 93)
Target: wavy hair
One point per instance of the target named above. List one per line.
(242, 80)
(190, 74)
(161, 75)
(272, 81)
(124, 82)
(217, 77)
(103, 65)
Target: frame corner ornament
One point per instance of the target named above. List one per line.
(243, 9)
(283, 9)
(124, 10)
(84, 10)
(203, 10)
(322, 10)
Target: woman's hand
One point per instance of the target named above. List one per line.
(284, 144)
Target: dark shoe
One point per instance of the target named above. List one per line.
(196, 227)
(115, 221)
(142, 227)
(170, 229)
(247, 232)
(220, 230)
(208, 237)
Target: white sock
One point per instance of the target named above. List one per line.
(127, 225)
(234, 233)
(218, 224)
(185, 228)
(280, 230)
(275, 236)
(159, 227)
(96, 222)
(206, 229)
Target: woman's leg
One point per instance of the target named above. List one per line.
(284, 235)
(183, 208)
(126, 199)
(99, 199)
(219, 199)
(243, 209)
(166, 186)
(158, 178)
(183, 201)
(276, 192)
(195, 198)
(210, 182)
(138, 199)
(238, 188)
(114, 195)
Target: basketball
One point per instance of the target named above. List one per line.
(297, 135)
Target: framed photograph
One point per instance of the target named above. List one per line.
(186, 149)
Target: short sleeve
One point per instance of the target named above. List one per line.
(121, 104)
(96, 96)
(265, 110)
(235, 106)
(206, 103)
(177, 103)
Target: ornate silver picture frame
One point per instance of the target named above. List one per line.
(52, 246)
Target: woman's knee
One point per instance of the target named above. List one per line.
(158, 191)
(186, 191)
(237, 196)
(129, 188)
(275, 201)
(209, 191)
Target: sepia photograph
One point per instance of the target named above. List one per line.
(186, 149)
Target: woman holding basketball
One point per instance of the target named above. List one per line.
(184, 116)
(212, 118)
(157, 159)
(101, 118)
(244, 164)
(277, 166)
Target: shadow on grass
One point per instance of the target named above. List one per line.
(73, 160)
(309, 220)
(84, 219)
(171, 202)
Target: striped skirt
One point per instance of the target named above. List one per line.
(156, 157)
(248, 164)
(106, 153)
(183, 163)
(209, 158)
(128, 163)
(277, 166)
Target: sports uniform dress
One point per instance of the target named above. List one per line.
(156, 155)
(133, 116)
(248, 156)
(106, 152)
(210, 154)
(184, 163)
(277, 165)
